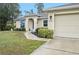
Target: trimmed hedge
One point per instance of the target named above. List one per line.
(44, 33)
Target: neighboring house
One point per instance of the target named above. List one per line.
(20, 22)
(64, 20)
(17, 24)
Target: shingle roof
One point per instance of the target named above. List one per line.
(19, 18)
(65, 6)
(41, 15)
(31, 14)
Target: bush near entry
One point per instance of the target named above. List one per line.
(44, 33)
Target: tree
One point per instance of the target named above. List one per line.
(39, 7)
(31, 11)
(8, 11)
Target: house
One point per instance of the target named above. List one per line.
(20, 22)
(64, 20)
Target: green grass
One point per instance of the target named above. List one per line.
(15, 43)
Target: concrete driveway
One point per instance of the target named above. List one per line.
(59, 46)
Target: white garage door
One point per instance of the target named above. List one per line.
(67, 25)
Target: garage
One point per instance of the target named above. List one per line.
(66, 25)
(64, 20)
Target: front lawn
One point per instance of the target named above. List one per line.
(16, 43)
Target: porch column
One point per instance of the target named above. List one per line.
(35, 23)
(26, 24)
(51, 21)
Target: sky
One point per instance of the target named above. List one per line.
(31, 6)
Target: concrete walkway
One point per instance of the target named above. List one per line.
(59, 46)
(31, 36)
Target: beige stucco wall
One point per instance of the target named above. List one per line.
(66, 11)
(17, 24)
(39, 23)
(51, 22)
(28, 24)
(59, 12)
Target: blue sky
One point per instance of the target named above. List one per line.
(29, 6)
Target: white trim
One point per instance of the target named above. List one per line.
(70, 12)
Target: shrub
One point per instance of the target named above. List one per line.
(36, 32)
(50, 34)
(19, 29)
(39, 28)
(44, 33)
(8, 28)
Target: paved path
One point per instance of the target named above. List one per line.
(31, 36)
(59, 46)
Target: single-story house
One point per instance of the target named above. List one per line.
(63, 20)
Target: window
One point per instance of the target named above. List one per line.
(22, 24)
(45, 22)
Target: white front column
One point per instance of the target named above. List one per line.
(26, 24)
(35, 24)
